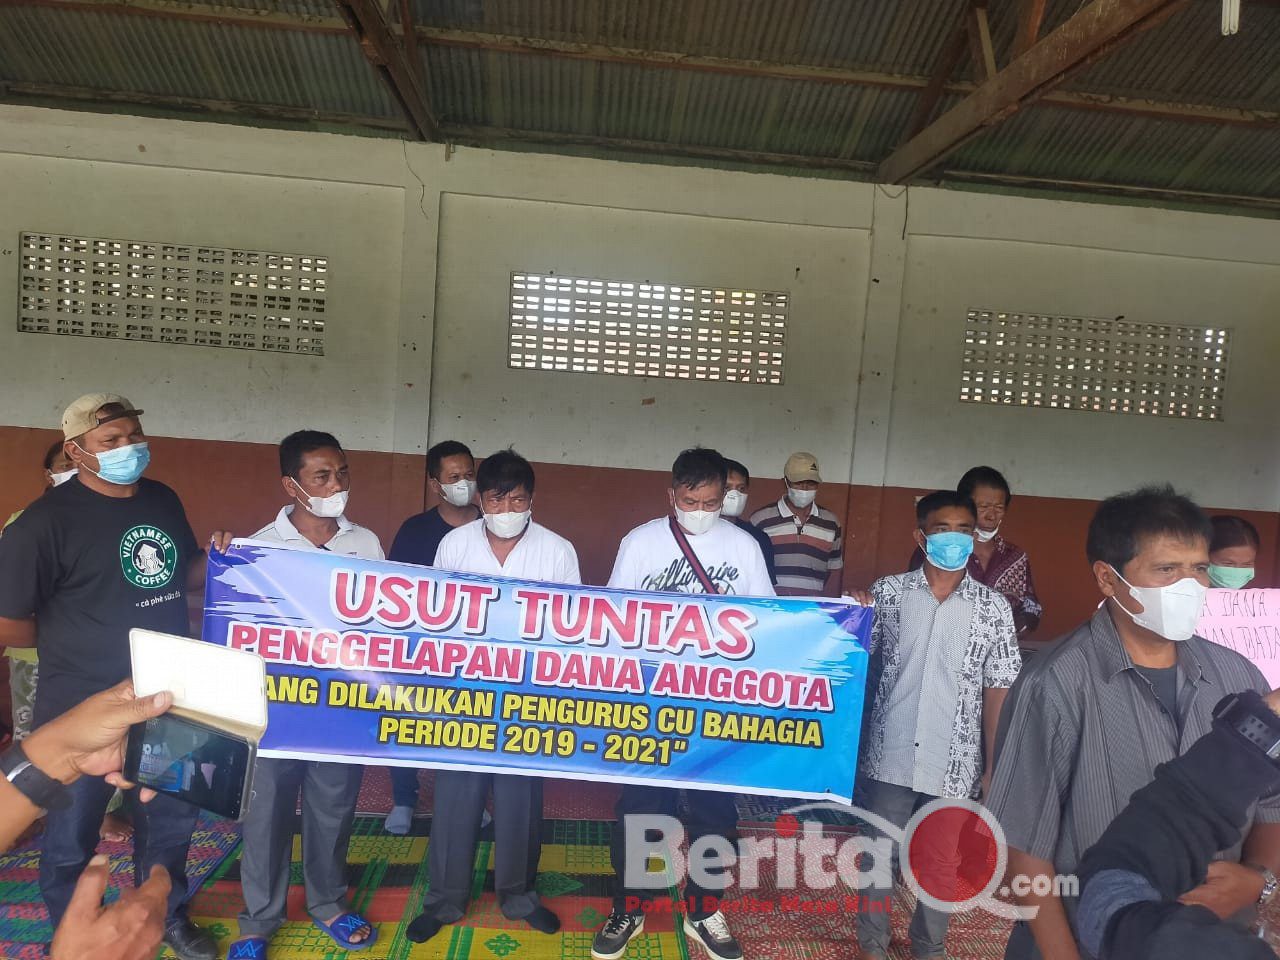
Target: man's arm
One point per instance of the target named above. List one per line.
(1049, 927)
(1162, 843)
(835, 566)
(992, 702)
(17, 633)
(1036, 748)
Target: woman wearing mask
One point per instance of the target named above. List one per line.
(996, 562)
(1233, 552)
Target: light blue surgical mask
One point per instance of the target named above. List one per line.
(949, 550)
(121, 465)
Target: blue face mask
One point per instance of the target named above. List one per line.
(121, 465)
(950, 550)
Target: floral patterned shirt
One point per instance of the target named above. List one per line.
(986, 651)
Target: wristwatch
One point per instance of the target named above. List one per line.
(1269, 885)
(32, 782)
(1247, 716)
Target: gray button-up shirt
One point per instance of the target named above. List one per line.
(1082, 730)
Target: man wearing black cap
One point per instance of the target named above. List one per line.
(102, 553)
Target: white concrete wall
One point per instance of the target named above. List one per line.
(1035, 256)
(224, 394)
(422, 243)
(639, 422)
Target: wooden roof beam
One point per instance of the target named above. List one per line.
(947, 63)
(168, 103)
(1089, 34)
(1030, 17)
(388, 56)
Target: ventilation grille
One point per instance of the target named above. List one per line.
(627, 328)
(1102, 365)
(170, 293)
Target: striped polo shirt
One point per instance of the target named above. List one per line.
(802, 555)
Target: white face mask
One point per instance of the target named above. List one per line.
(59, 479)
(735, 501)
(504, 526)
(1171, 611)
(328, 508)
(697, 521)
(985, 536)
(801, 498)
(459, 494)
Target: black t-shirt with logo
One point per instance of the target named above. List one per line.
(90, 567)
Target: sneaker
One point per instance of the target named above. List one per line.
(188, 941)
(713, 933)
(399, 821)
(618, 931)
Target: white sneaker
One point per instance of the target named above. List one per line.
(713, 933)
(399, 821)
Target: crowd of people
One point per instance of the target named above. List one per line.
(1055, 746)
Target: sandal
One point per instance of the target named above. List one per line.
(248, 948)
(344, 926)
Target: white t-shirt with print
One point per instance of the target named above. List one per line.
(649, 558)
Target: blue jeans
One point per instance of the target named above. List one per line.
(161, 836)
(404, 786)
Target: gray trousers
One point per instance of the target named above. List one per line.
(517, 842)
(329, 793)
(928, 926)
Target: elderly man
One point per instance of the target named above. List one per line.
(808, 544)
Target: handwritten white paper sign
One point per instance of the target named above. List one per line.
(1248, 622)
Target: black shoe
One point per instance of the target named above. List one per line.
(713, 933)
(618, 931)
(423, 928)
(189, 942)
(543, 920)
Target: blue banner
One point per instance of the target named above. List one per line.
(389, 663)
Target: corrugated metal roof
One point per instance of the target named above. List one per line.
(869, 34)
(530, 92)
(1184, 60)
(1073, 145)
(181, 58)
(1188, 59)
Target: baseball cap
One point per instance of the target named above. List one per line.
(93, 410)
(801, 466)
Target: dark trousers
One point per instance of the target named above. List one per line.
(711, 813)
(404, 786)
(517, 842)
(161, 836)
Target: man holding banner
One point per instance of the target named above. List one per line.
(479, 673)
(692, 550)
(315, 476)
(503, 542)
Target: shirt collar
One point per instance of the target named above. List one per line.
(916, 580)
(1115, 658)
(287, 531)
(784, 508)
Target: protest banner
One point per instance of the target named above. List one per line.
(387, 663)
(1248, 622)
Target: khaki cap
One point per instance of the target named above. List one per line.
(801, 466)
(87, 413)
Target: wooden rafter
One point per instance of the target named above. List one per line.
(980, 48)
(1091, 33)
(1030, 17)
(947, 63)
(386, 53)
